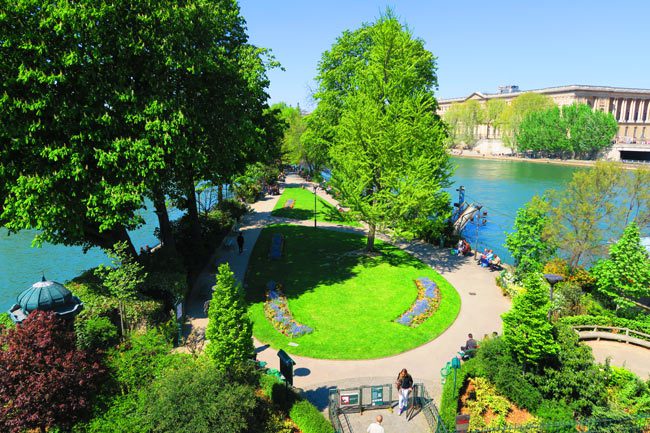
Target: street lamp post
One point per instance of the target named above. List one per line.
(552, 279)
(315, 188)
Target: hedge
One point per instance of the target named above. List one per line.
(304, 414)
(619, 322)
(450, 395)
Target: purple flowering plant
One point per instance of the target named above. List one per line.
(276, 309)
(425, 304)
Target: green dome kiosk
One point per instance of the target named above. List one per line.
(46, 295)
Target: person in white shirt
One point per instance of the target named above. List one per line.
(376, 427)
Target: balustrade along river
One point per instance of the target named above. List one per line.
(500, 186)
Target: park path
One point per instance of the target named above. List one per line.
(634, 358)
(482, 304)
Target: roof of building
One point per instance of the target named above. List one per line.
(556, 89)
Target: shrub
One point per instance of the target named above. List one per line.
(6, 321)
(557, 266)
(198, 396)
(140, 359)
(309, 419)
(551, 411)
(236, 209)
(451, 394)
(126, 413)
(95, 332)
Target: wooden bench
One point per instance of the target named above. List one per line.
(290, 203)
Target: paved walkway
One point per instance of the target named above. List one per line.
(634, 358)
(481, 309)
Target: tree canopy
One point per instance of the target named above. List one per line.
(104, 105)
(574, 131)
(512, 115)
(387, 145)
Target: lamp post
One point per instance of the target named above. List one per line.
(552, 279)
(315, 188)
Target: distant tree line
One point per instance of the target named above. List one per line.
(533, 123)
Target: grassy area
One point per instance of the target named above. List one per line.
(304, 208)
(351, 300)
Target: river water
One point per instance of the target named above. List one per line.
(500, 186)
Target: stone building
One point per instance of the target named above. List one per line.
(630, 107)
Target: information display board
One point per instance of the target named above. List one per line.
(349, 398)
(377, 395)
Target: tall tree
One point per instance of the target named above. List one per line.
(229, 331)
(624, 277)
(388, 156)
(526, 329)
(512, 116)
(46, 382)
(593, 209)
(588, 131)
(492, 111)
(529, 244)
(463, 119)
(543, 131)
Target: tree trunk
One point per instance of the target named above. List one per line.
(108, 238)
(166, 234)
(370, 245)
(193, 216)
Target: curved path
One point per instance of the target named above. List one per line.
(634, 358)
(482, 304)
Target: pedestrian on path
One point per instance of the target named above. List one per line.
(240, 242)
(404, 385)
(376, 427)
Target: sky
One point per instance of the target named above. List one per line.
(479, 45)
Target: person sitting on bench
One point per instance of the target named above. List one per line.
(495, 263)
(469, 349)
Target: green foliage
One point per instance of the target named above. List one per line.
(139, 360)
(125, 413)
(636, 325)
(236, 209)
(512, 115)
(248, 185)
(492, 112)
(450, 394)
(463, 118)
(596, 206)
(526, 329)
(627, 393)
(495, 362)
(211, 401)
(293, 149)
(229, 331)
(95, 333)
(388, 153)
(309, 419)
(575, 378)
(573, 131)
(122, 280)
(5, 321)
(551, 411)
(624, 276)
(529, 244)
(568, 299)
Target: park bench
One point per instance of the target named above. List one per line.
(277, 245)
(290, 203)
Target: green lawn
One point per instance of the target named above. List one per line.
(349, 299)
(304, 208)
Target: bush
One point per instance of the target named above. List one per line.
(140, 359)
(309, 419)
(450, 395)
(126, 413)
(234, 208)
(551, 411)
(6, 321)
(95, 332)
(557, 266)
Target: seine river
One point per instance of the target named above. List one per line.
(500, 186)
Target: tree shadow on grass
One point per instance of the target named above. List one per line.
(312, 257)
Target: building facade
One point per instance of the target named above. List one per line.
(630, 107)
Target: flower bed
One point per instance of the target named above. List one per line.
(276, 309)
(425, 305)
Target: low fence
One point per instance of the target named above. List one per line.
(613, 333)
(369, 397)
(632, 424)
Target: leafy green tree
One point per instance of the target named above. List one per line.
(464, 119)
(543, 131)
(593, 208)
(588, 131)
(388, 155)
(492, 111)
(529, 244)
(229, 331)
(293, 149)
(526, 329)
(512, 116)
(624, 277)
(123, 279)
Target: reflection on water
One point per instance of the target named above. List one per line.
(501, 186)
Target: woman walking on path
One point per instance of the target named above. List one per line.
(404, 385)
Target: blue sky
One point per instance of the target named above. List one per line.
(479, 44)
